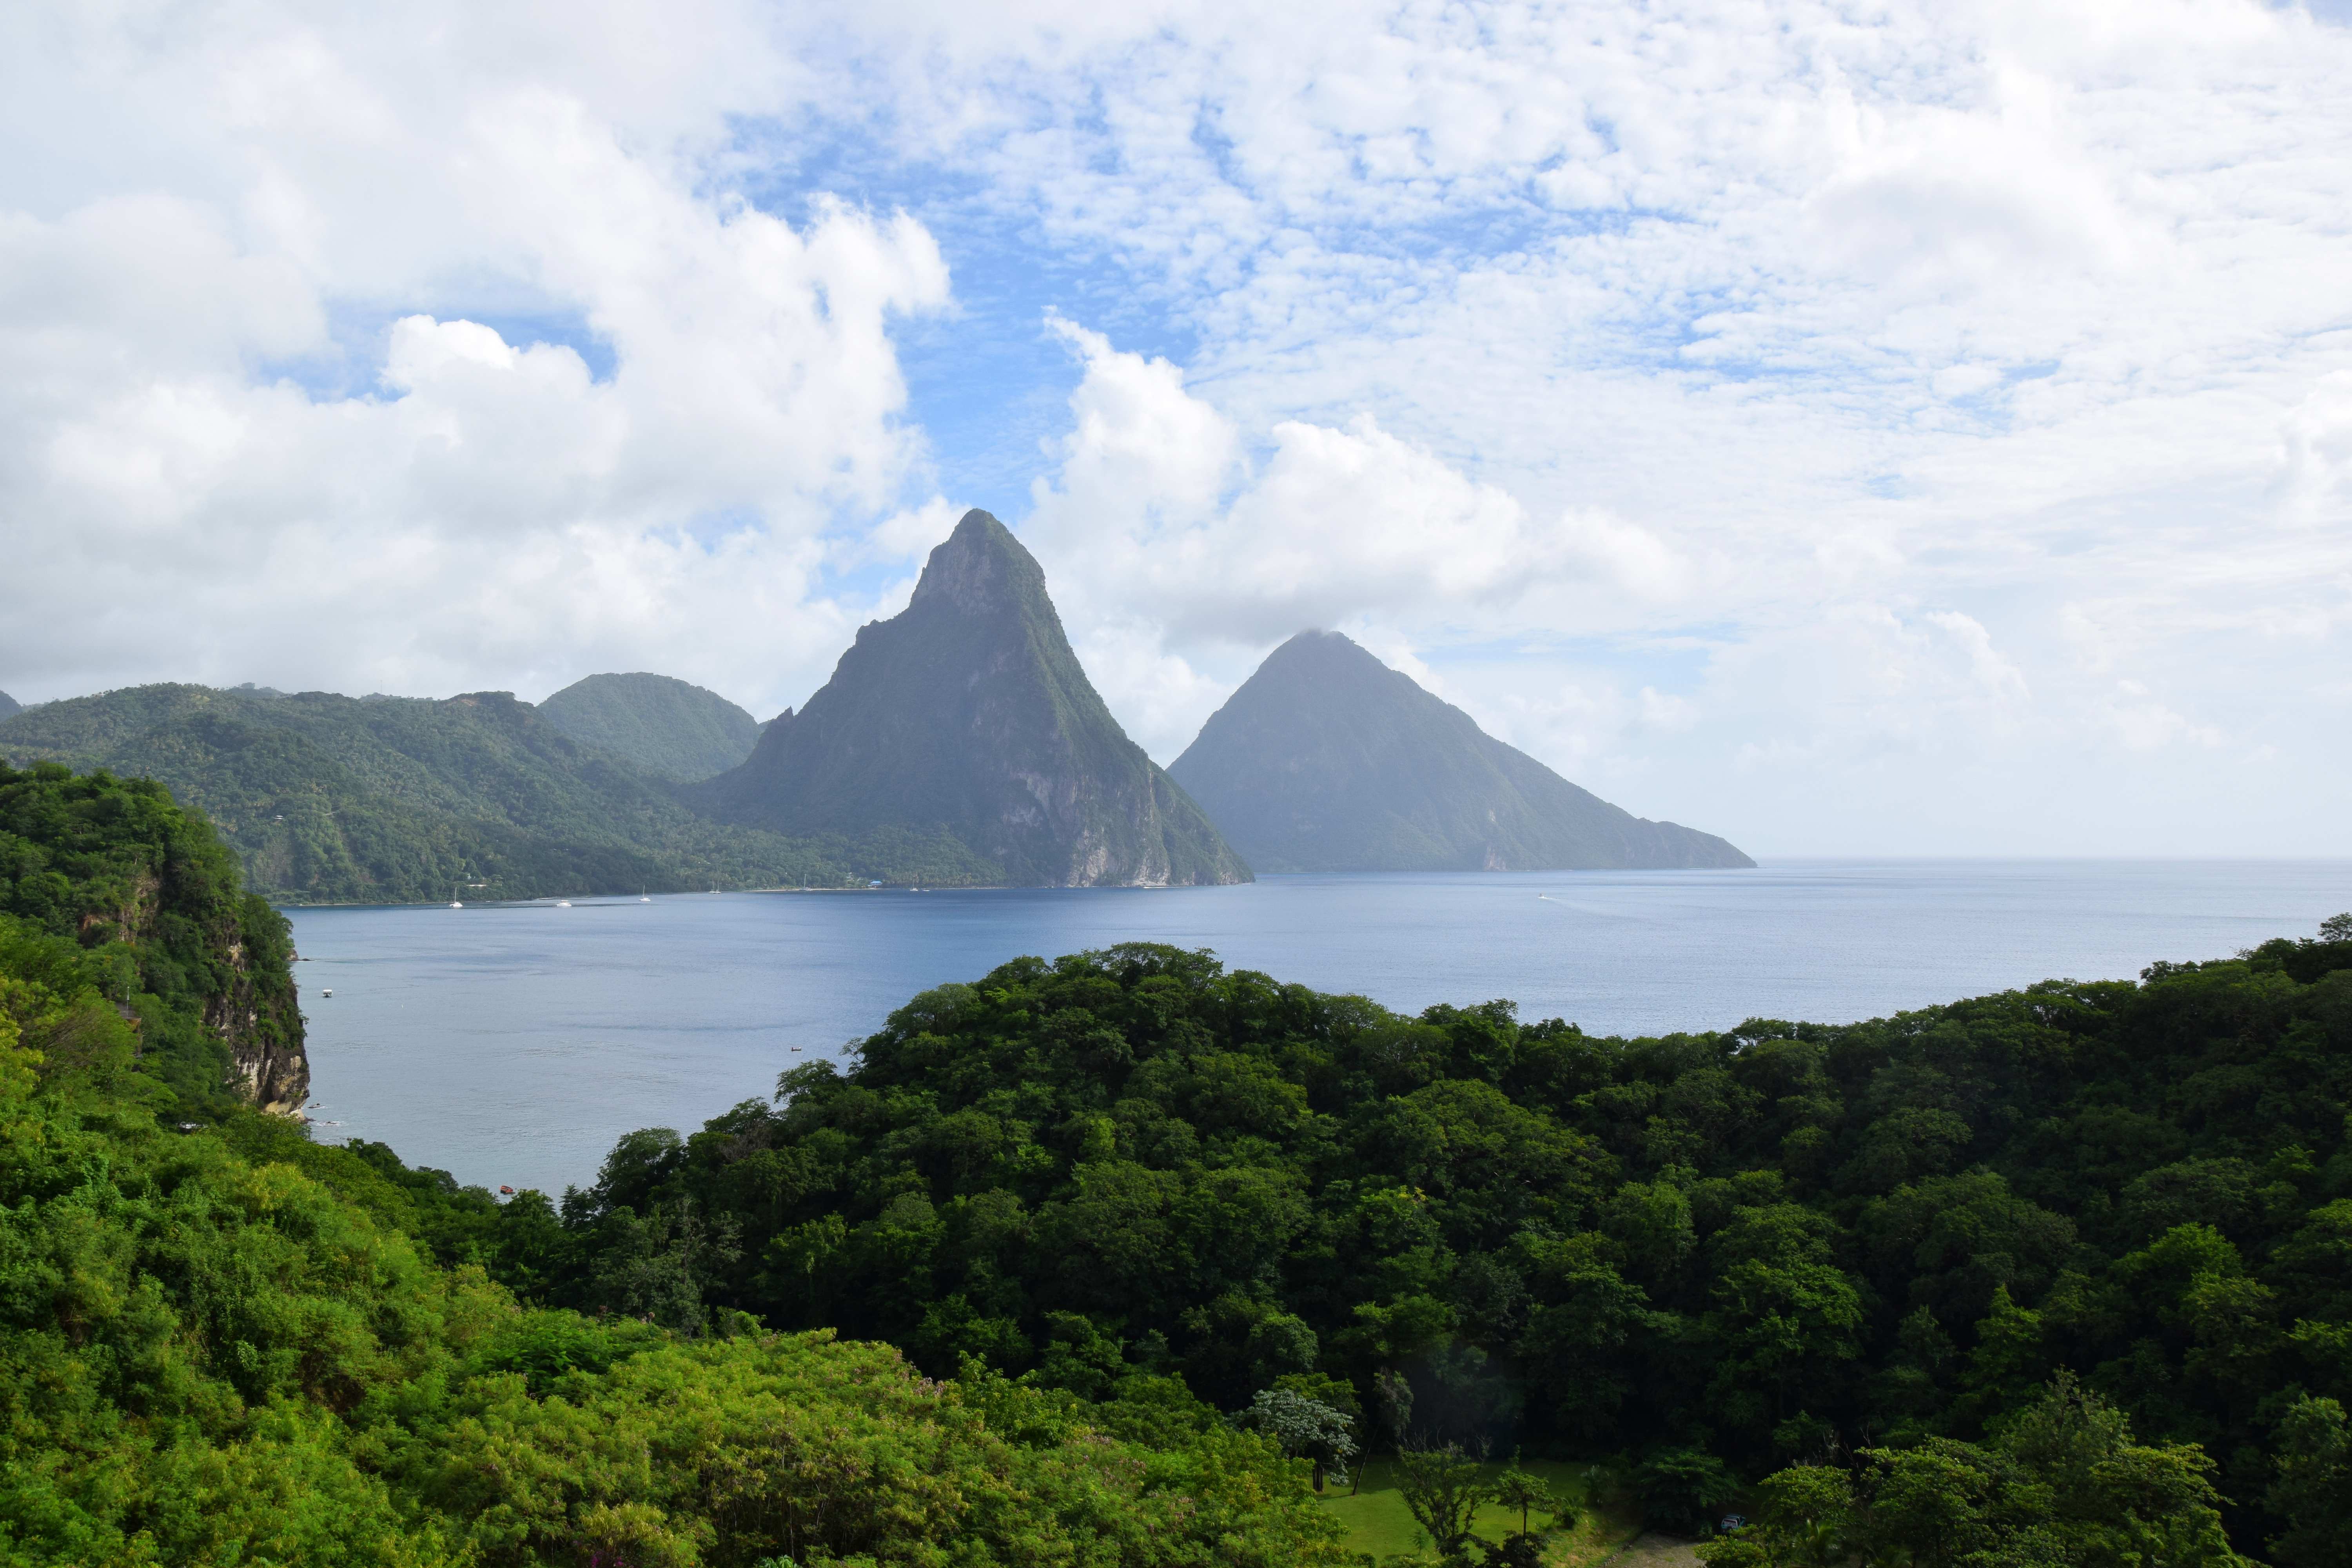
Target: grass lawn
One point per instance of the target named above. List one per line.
(1379, 1523)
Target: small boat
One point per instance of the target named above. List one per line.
(329, 991)
(456, 905)
(796, 1050)
(505, 1190)
(563, 903)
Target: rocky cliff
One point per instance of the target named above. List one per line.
(968, 712)
(1326, 760)
(202, 968)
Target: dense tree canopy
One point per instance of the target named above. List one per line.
(223, 1344)
(1096, 1261)
(1730, 1250)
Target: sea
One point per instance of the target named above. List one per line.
(510, 1044)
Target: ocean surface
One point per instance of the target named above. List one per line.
(512, 1043)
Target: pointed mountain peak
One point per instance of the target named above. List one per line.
(978, 566)
(1324, 648)
(1327, 760)
(967, 713)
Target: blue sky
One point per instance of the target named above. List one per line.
(1904, 429)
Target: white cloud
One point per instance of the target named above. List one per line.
(1804, 422)
(482, 509)
(2317, 436)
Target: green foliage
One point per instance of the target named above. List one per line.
(1527, 1493)
(2309, 1496)
(1326, 760)
(1444, 1488)
(223, 1344)
(112, 899)
(969, 710)
(1682, 1489)
(2064, 1484)
(1304, 1429)
(1715, 1254)
(332, 799)
(663, 725)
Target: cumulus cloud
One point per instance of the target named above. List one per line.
(1168, 535)
(1838, 428)
(179, 468)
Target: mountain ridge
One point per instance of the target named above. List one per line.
(969, 710)
(333, 799)
(1326, 760)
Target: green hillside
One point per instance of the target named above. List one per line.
(222, 1346)
(665, 726)
(334, 799)
(9, 705)
(126, 913)
(1326, 760)
(969, 710)
(1711, 1255)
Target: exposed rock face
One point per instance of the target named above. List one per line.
(166, 891)
(1326, 760)
(263, 1030)
(969, 710)
(665, 726)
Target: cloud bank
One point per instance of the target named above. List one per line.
(1881, 429)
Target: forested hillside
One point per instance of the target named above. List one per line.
(334, 799)
(221, 1344)
(1712, 1255)
(127, 914)
(664, 725)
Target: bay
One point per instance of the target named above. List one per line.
(513, 1043)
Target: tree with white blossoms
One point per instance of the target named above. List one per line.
(1304, 1429)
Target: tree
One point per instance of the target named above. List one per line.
(1305, 1428)
(1680, 1488)
(1441, 1487)
(1807, 1513)
(2337, 928)
(2313, 1492)
(1517, 1488)
(2064, 1484)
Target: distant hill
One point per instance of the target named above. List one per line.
(1326, 760)
(663, 725)
(9, 706)
(969, 710)
(334, 799)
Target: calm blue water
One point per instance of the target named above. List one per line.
(513, 1043)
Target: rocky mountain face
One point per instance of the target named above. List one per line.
(1326, 760)
(969, 710)
(664, 725)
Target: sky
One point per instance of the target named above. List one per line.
(1860, 428)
